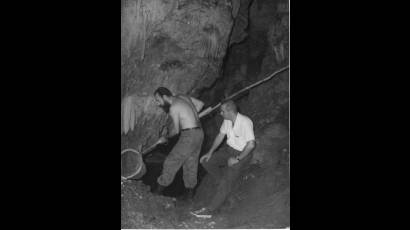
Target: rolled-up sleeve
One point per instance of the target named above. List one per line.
(223, 128)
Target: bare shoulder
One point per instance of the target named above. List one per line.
(183, 100)
(183, 96)
(174, 109)
(178, 103)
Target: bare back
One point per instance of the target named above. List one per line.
(187, 114)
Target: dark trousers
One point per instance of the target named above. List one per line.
(217, 167)
(185, 153)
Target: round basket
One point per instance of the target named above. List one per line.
(132, 164)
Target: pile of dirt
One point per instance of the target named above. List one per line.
(261, 199)
(142, 209)
(261, 196)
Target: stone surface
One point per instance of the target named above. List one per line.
(176, 44)
(178, 57)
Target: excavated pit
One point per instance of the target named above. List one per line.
(255, 42)
(154, 161)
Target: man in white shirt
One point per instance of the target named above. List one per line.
(241, 141)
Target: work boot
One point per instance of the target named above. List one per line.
(158, 190)
(188, 195)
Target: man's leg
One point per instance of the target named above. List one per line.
(190, 170)
(218, 160)
(227, 182)
(190, 166)
(172, 163)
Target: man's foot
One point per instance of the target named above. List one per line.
(158, 190)
(203, 213)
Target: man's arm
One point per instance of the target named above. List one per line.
(174, 115)
(218, 140)
(250, 138)
(250, 145)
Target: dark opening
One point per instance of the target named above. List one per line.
(154, 161)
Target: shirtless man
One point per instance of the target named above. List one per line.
(184, 113)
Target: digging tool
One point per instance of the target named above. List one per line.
(152, 147)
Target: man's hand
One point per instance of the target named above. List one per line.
(139, 149)
(232, 161)
(162, 140)
(206, 157)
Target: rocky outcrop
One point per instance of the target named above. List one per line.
(240, 13)
(176, 44)
(184, 54)
(263, 52)
(262, 192)
(268, 52)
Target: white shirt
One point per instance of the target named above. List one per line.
(240, 134)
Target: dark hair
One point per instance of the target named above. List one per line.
(163, 91)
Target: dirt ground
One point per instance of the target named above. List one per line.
(260, 200)
(142, 209)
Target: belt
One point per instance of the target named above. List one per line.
(190, 128)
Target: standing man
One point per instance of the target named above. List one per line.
(241, 142)
(184, 113)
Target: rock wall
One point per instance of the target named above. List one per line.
(172, 43)
(272, 96)
(263, 188)
(263, 51)
(182, 53)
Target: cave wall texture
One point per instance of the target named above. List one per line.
(172, 43)
(182, 45)
(211, 49)
(264, 50)
(208, 49)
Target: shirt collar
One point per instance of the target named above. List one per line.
(238, 117)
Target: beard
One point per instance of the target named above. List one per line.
(166, 107)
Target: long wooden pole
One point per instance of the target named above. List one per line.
(210, 109)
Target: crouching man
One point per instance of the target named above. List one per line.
(241, 142)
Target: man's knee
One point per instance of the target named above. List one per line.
(190, 182)
(205, 165)
(232, 173)
(210, 167)
(190, 178)
(163, 180)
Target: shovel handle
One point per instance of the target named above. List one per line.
(149, 149)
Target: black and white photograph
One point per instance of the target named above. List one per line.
(205, 114)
